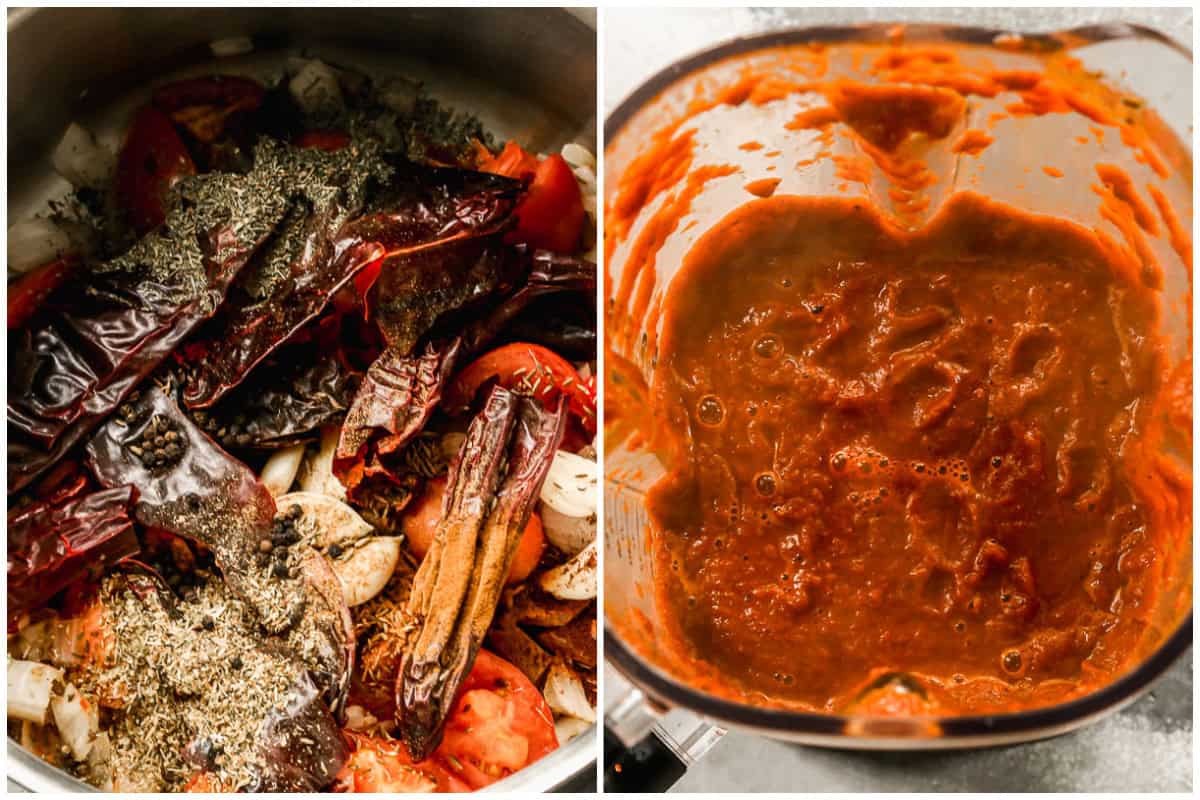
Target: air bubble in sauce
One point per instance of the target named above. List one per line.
(710, 411)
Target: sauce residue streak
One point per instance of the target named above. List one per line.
(926, 452)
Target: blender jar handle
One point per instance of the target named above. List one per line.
(647, 748)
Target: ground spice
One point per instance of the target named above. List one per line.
(195, 683)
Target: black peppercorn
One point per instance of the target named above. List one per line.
(236, 662)
(334, 551)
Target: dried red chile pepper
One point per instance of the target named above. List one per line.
(58, 541)
(421, 208)
(98, 336)
(550, 274)
(395, 401)
(287, 400)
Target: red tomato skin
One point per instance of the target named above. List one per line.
(528, 552)
(152, 159)
(27, 293)
(526, 715)
(513, 162)
(506, 364)
(551, 215)
(420, 520)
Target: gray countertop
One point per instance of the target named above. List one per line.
(1147, 746)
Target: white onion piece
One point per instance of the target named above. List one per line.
(34, 242)
(571, 484)
(574, 580)
(233, 46)
(567, 728)
(324, 520)
(564, 694)
(81, 160)
(55, 641)
(568, 534)
(366, 569)
(279, 472)
(578, 156)
(30, 688)
(77, 721)
(315, 88)
(316, 475)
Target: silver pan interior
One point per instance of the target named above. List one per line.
(529, 74)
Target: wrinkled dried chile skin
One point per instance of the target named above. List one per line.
(99, 336)
(397, 397)
(301, 744)
(413, 291)
(53, 543)
(202, 493)
(285, 401)
(550, 274)
(421, 208)
(292, 278)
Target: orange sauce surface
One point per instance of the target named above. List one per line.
(914, 464)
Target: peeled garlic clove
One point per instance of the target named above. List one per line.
(574, 580)
(568, 534)
(366, 569)
(324, 520)
(279, 472)
(316, 474)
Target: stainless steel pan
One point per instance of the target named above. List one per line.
(529, 74)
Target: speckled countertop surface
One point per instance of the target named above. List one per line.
(1145, 747)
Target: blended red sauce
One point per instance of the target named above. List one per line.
(909, 472)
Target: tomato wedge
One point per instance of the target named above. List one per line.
(530, 369)
(500, 724)
(26, 294)
(513, 162)
(379, 765)
(152, 159)
(551, 214)
(422, 517)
